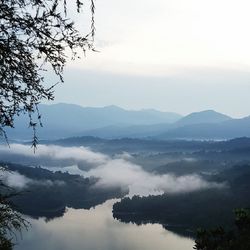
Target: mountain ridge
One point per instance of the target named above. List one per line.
(63, 120)
(66, 120)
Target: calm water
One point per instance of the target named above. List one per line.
(95, 229)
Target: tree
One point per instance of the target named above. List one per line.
(34, 34)
(11, 221)
(220, 239)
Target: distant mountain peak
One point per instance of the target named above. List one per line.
(209, 111)
(206, 116)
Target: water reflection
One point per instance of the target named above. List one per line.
(96, 229)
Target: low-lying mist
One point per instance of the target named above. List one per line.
(16, 180)
(117, 171)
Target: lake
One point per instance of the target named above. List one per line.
(96, 229)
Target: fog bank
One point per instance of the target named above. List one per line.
(111, 172)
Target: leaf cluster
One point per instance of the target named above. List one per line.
(33, 35)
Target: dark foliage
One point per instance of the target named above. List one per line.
(189, 211)
(220, 239)
(49, 193)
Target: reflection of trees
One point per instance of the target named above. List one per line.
(50, 193)
(199, 209)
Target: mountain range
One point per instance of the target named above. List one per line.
(66, 120)
(63, 120)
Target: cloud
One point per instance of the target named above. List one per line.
(154, 37)
(124, 155)
(114, 172)
(52, 153)
(74, 169)
(125, 174)
(15, 180)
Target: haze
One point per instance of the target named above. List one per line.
(161, 54)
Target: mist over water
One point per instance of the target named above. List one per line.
(15, 180)
(114, 174)
(118, 171)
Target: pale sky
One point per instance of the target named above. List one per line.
(172, 55)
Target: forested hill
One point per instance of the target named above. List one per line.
(201, 209)
(43, 193)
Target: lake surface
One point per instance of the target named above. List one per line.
(96, 229)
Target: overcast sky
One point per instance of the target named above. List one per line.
(172, 55)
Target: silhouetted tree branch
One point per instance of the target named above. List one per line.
(33, 35)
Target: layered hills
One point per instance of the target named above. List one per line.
(67, 120)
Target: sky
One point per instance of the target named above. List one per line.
(171, 55)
